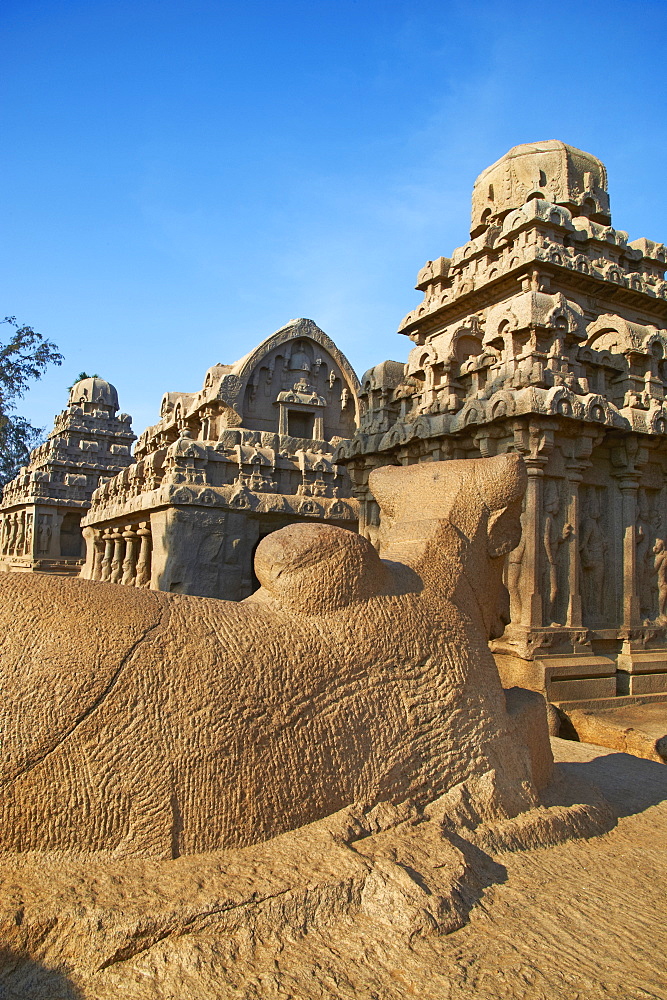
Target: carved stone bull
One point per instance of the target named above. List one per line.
(141, 722)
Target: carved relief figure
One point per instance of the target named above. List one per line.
(11, 547)
(20, 537)
(9, 522)
(514, 567)
(553, 538)
(593, 551)
(27, 546)
(660, 565)
(43, 534)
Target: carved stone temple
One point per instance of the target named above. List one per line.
(249, 453)
(546, 335)
(41, 508)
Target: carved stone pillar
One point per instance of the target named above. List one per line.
(143, 577)
(577, 452)
(108, 555)
(628, 458)
(118, 556)
(534, 441)
(98, 555)
(369, 512)
(574, 612)
(631, 610)
(130, 561)
(531, 566)
(29, 534)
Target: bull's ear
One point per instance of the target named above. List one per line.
(501, 532)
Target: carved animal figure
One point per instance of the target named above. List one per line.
(141, 722)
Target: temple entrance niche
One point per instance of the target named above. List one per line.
(300, 424)
(71, 537)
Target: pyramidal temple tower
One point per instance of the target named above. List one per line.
(42, 507)
(546, 335)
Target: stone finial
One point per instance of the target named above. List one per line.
(549, 170)
(94, 390)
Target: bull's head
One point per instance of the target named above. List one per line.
(454, 522)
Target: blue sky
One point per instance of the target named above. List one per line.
(182, 178)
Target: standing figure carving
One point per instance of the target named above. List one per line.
(514, 567)
(44, 534)
(29, 531)
(553, 537)
(660, 566)
(20, 539)
(593, 552)
(13, 528)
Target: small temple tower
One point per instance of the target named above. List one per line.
(42, 507)
(225, 466)
(546, 334)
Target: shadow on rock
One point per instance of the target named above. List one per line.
(486, 871)
(22, 978)
(630, 784)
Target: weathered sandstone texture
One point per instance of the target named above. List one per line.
(41, 509)
(148, 724)
(503, 910)
(546, 334)
(246, 455)
(637, 729)
(305, 794)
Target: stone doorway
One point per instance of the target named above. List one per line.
(71, 537)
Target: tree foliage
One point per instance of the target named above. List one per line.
(80, 377)
(25, 356)
(17, 439)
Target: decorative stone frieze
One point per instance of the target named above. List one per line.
(250, 453)
(546, 335)
(42, 507)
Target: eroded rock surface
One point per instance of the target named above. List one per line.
(387, 905)
(310, 793)
(638, 729)
(158, 725)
